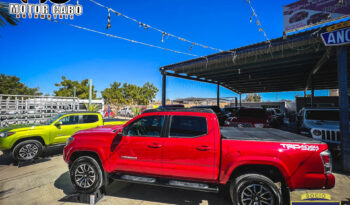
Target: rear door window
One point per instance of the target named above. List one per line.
(188, 126)
(89, 118)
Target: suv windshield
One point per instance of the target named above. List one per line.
(328, 115)
(52, 119)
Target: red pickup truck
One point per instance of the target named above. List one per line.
(186, 148)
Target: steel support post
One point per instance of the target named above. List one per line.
(218, 95)
(312, 96)
(163, 89)
(344, 106)
(240, 100)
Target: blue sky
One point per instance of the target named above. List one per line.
(40, 52)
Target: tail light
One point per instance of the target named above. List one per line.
(327, 161)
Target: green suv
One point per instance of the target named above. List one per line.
(29, 142)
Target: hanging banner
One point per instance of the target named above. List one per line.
(307, 13)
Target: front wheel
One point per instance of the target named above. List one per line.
(254, 189)
(27, 150)
(86, 175)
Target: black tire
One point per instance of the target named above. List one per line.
(90, 167)
(27, 150)
(257, 186)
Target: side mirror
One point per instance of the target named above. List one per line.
(59, 123)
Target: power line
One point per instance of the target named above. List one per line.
(122, 38)
(147, 26)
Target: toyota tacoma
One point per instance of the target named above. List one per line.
(186, 148)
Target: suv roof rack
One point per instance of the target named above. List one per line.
(172, 109)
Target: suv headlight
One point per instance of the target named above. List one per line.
(6, 134)
(69, 140)
(316, 132)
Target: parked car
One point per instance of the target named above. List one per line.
(272, 119)
(320, 123)
(248, 117)
(298, 16)
(126, 111)
(229, 111)
(188, 149)
(318, 17)
(217, 110)
(278, 114)
(27, 142)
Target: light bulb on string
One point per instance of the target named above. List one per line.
(191, 47)
(109, 25)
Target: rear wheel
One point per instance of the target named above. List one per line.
(86, 174)
(254, 189)
(27, 150)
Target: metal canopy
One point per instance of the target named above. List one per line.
(296, 62)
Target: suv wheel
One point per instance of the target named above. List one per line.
(86, 174)
(27, 150)
(254, 189)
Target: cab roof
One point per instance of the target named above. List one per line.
(165, 109)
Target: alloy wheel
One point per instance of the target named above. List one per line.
(85, 176)
(257, 194)
(28, 151)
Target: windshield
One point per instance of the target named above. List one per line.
(328, 115)
(52, 119)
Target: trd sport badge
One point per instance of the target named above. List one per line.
(59, 9)
(315, 199)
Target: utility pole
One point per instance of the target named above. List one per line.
(90, 92)
(75, 95)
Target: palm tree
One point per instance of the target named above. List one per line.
(5, 16)
(92, 107)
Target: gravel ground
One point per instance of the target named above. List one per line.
(47, 182)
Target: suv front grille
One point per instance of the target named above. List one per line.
(331, 136)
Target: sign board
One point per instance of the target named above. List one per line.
(307, 13)
(337, 37)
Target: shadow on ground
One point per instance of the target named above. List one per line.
(145, 193)
(7, 159)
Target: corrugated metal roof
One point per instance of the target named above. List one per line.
(286, 66)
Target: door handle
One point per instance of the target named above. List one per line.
(203, 148)
(154, 145)
(76, 127)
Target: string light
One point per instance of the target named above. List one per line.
(156, 29)
(109, 19)
(258, 23)
(122, 38)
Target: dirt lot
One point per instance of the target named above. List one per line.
(47, 182)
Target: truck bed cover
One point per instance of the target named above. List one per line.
(263, 134)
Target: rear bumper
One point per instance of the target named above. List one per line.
(315, 181)
(330, 181)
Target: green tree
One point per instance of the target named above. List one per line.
(66, 88)
(129, 93)
(252, 97)
(113, 94)
(11, 85)
(5, 16)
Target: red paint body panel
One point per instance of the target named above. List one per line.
(185, 158)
